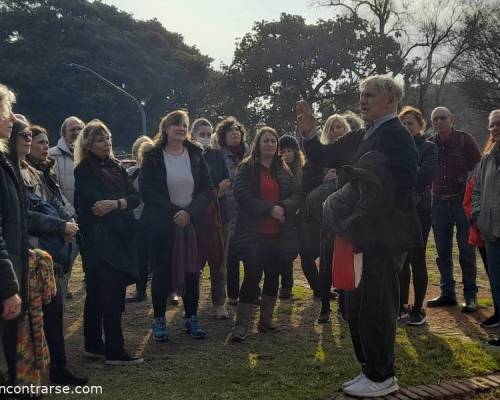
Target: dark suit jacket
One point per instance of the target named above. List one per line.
(394, 141)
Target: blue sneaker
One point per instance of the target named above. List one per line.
(160, 329)
(194, 328)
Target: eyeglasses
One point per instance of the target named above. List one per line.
(76, 129)
(26, 135)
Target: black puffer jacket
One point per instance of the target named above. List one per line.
(13, 235)
(252, 208)
(360, 209)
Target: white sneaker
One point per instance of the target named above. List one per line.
(221, 312)
(365, 387)
(353, 381)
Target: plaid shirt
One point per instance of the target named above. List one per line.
(456, 158)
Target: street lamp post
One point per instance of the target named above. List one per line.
(109, 83)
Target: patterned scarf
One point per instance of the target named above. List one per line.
(32, 351)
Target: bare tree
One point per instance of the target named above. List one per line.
(385, 17)
(433, 36)
(480, 69)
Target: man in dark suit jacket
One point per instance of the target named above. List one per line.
(372, 308)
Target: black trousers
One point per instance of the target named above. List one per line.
(482, 252)
(53, 327)
(104, 305)
(233, 273)
(161, 283)
(286, 273)
(310, 269)
(372, 309)
(144, 258)
(417, 261)
(325, 267)
(8, 332)
(267, 261)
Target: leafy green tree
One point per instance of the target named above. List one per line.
(282, 61)
(38, 38)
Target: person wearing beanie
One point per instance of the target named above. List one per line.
(293, 158)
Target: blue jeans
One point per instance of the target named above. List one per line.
(447, 214)
(493, 256)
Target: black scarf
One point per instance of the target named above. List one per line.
(109, 173)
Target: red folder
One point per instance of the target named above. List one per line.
(347, 266)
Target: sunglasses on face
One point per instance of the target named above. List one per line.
(26, 135)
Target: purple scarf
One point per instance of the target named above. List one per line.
(185, 256)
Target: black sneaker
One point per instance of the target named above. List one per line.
(285, 294)
(174, 300)
(404, 312)
(324, 315)
(491, 322)
(442, 301)
(95, 354)
(140, 295)
(124, 359)
(61, 375)
(494, 342)
(416, 317)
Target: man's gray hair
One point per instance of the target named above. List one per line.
(493, 114)
(66, 122)
(384, 84)
(443, 109)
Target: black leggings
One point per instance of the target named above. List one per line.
(325, 267)
(233, 273)
(267, 261)
(482, 252)
(416, 259)
(161, 284)
(286, 273)
(53, 327)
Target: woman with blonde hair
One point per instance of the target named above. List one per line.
(268, 197)
(176, 190)
(335, 126)
(104, 199)
(13, 240)
(485, 205)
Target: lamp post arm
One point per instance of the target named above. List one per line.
(124, 92)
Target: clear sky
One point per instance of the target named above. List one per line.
(214, 25)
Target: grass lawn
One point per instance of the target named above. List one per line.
(305, 361)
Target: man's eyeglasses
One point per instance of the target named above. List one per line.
(77, 129)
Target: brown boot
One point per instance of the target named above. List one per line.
(266, 323)
(241, 328)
